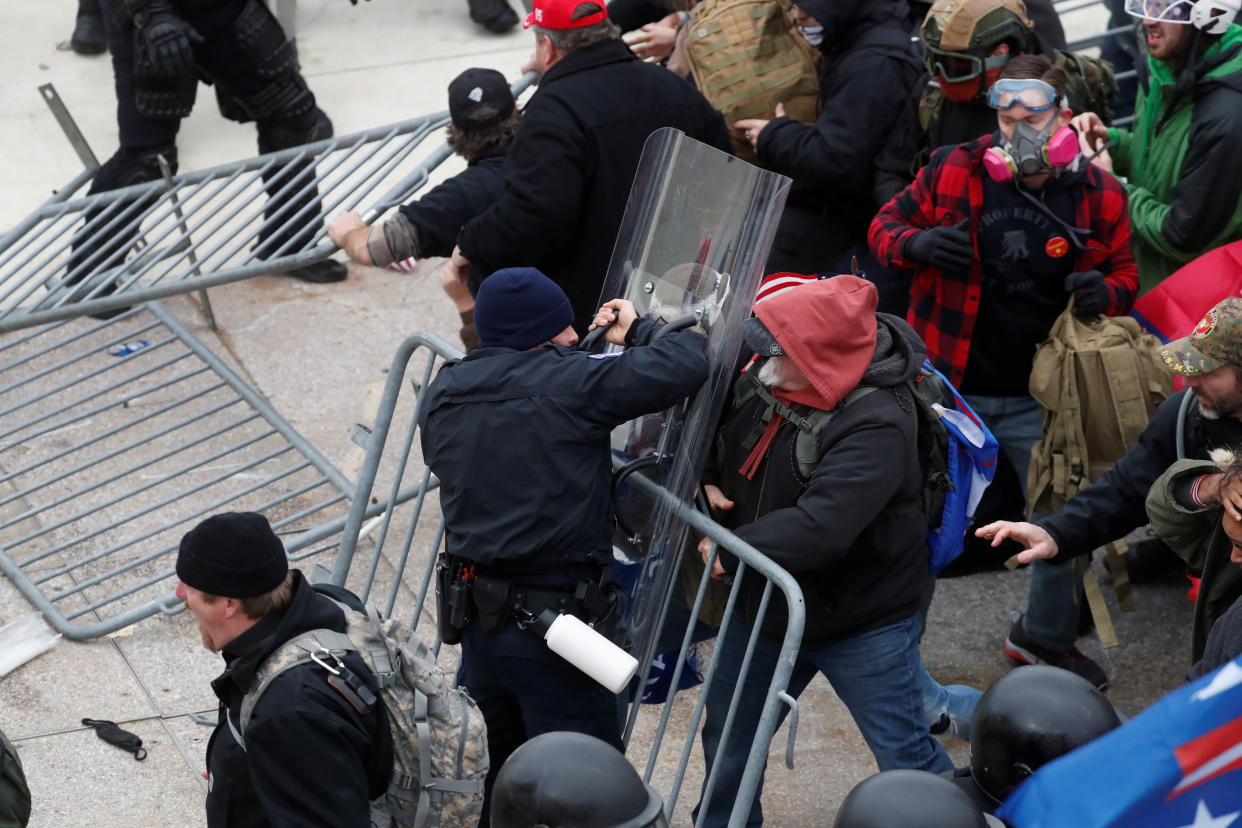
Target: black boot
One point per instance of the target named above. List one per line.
(493, 15)
(320, 272)
(88, 31)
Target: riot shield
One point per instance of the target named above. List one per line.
(693, 241)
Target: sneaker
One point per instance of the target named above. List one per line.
(1022, 648)
(494, 15)
(320, 272)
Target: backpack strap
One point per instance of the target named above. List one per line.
(295, 651)
(1182, 410)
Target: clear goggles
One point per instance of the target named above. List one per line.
(1170, 11)
(1035, 95)
(957, 67)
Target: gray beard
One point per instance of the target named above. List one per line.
(769, 374)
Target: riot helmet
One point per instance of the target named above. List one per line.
(572, 780)
(1029, 717)
(960, 35)
(910, 799)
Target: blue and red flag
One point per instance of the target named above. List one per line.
(1178, 764)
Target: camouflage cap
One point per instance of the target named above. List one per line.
(1215, 341)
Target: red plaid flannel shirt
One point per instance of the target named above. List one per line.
(944, 306)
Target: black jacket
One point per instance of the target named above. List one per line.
(571, 165)
(519, 441)
(868, 70)
(439, 215)
(849, 535)
(634, 14)
(1116, 503)
(310, 758)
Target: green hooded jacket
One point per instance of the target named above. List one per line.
(1196, 536)
(1182, 161)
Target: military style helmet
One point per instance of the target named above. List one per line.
(567, 778)
(909, 799)
(959, 34)
(1029, 717)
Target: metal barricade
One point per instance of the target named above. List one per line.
(1065, 7)
(115, 438)
(207, 227)
(397, 569)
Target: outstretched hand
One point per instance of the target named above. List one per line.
(1039, 544)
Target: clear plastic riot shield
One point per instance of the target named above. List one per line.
(693, 241)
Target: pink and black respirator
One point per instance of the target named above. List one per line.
(1030, 151)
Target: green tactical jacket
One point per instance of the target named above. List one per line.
(1197, 538)
(1183, 161)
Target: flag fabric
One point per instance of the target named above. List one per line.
(1172, 308)
(1178, 764)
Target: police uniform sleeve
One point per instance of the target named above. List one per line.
(645, 378)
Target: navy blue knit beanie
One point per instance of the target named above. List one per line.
(519, 308)
(234, 554)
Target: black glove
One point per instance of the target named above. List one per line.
(949, 248)
(169, 40)
(1090, 293)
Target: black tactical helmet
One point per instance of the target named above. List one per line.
(908, 799)
(571, 780)
(1029, 717)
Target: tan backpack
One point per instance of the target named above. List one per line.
(747, 56)
(1098, 380)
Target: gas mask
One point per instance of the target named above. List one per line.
(814, 35)
(1030, 151)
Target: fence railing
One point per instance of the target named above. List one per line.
(390, 559)
(188, 232)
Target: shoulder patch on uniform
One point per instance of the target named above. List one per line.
(603, 356)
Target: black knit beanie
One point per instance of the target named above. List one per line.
(234, 555)
(519, 308)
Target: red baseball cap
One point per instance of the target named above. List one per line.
(557, 14)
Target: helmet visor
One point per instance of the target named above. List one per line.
(1169, 11)
(952, 67)
(1035, 95)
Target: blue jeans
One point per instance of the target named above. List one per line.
(958, 701)
(1053, 603)
(1017, 424)
(874, 673)
(1052, 606)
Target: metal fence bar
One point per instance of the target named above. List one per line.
(206, 218)
(390, 444)
(72, 551)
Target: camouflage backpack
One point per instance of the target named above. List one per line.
(747, 56)
(439, 742)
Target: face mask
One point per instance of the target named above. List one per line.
(814, 35)
(968, 90)
(1030, 151)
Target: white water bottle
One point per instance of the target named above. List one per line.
(586, 649)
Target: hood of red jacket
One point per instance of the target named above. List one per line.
(828, 329)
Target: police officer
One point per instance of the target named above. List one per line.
(517, 432)
(160, 51)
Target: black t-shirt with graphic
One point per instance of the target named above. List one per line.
(1026, 256)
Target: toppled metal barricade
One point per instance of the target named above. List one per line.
(115, 438)
(204, 228)
(390, 560)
